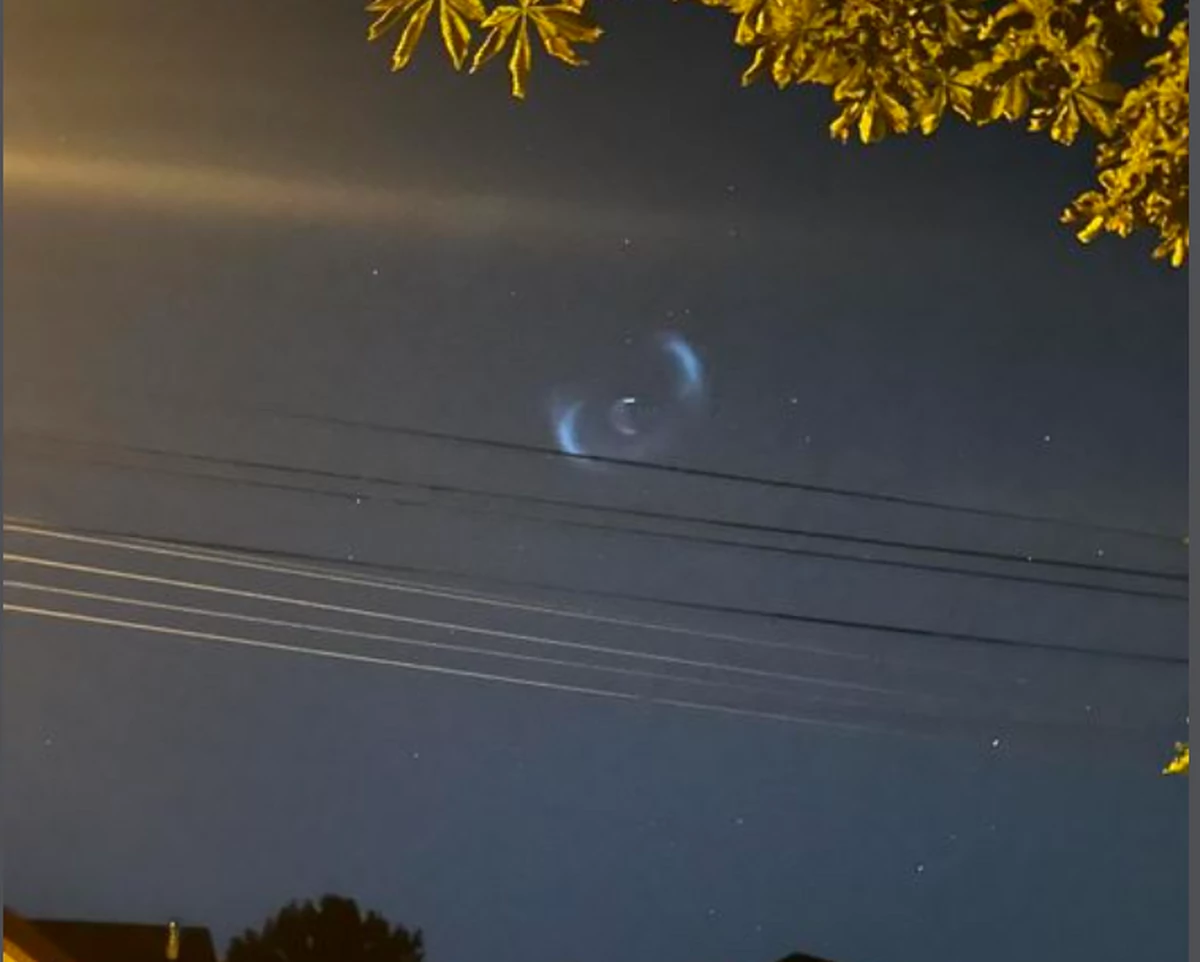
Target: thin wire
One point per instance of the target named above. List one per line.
(396, 639)
(436, 669)
(545, 451)
(773, 615)
(789, 550)
(237, 558)
(728, 476)
(429, 623)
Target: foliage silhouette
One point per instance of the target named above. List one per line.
(333, 931)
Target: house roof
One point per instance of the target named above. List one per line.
(123, 942)
(24, 943)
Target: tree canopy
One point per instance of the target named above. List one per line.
(1113, 70)
(333, 931)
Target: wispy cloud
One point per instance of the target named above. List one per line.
(227, 192)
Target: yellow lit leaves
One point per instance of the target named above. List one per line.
(410, 16)
(894, 66)
(1143, 181)
(559, 26)
(1146, 15)
(1179, 764)
(897, 65)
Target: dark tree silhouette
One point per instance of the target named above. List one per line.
(333, 931)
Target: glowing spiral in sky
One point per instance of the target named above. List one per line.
(633, 423)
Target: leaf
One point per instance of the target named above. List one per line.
(520, 61)
(390, 13)
(853, 84)
(1180, 764)
(842, 125)
(1064, 127)
(896, 113)
(499, 24)
(564, 24)
(1107, 91)
(410, 35)
(560, 26)
(758, 66)
(455, 18)
(1096, 113)
(871, 123)
(1092, 230)
(930, 110)
(1013, 100)
(1148, 14)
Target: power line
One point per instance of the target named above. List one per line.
(786, 550)
(262, 561)
(397, 639)
(833, 703)
(548, 452)
(767, 614)
(430, 623)
(37, 612)
(709, 474)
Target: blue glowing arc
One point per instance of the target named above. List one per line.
(566, 429)
(633, 425)
(687, 363)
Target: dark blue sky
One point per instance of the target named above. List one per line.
(215, 212)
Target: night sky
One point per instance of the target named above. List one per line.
(261, 295)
